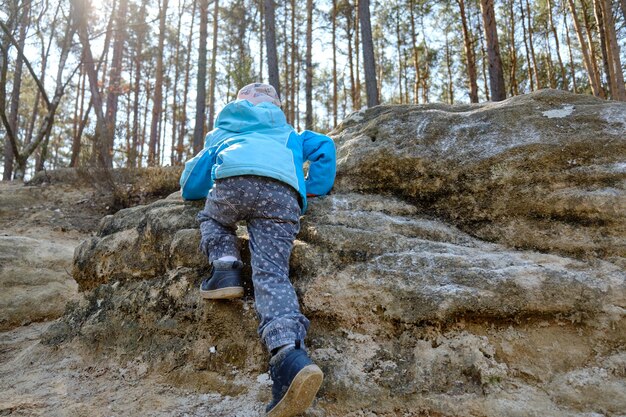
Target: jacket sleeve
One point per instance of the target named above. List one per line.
(320, 151)
(195, 180)
(210, 138)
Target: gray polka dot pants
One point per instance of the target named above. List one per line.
(272, 213)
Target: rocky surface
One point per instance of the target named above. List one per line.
(544, 171)
(39, 228)
(42, 222)
(38, 381)
(35, 279)
(469, 262)
(408, 313)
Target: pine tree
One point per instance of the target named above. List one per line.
(213, 73)
(270, 39)
(198, 131)
(308, 124)
(22, 155)
(496, 77)
(469, 53)
(368, 54)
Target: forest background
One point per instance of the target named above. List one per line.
(132, 83)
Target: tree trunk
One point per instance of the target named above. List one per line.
(261, 35)
(85, 115)
(294, 58)
(43, 154)
(483, 60)
(15, 93)
(416, 66)
(288, 83)
(405, 54)
(399, 52)
(298, 69)
(556, 42)
(379, 53)
(496, 77)
(213, 73)
(571, 56)
(449, 90)
(109, 33)
(45, 54)
(175, 108)
(349, 28)
(79, 134)
(157, 102)
(593, 80)
(357, 60)
(369, 65)
(469, 54)
(180, 146)
(229, 66)
(100, 156)
(287, 86)
(532, 46)
(128, 111)
(597, 11)
(4, 69)
(144, 126)
(308, 87)
(21, 158)
(549, 66)
(615, 64)
(270, 40)
(198, 130)
(531, 80)
(79, 110)
(163, 119)
(115, 78)
(334, 46)
(140, 33)
(425, 77)
(513, 84)
(592, 51)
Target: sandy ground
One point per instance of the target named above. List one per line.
(39, 228)
(36, 380)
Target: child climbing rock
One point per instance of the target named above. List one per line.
(254, 162)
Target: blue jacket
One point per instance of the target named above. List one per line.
(256, 140)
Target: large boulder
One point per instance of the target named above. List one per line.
(543, 171)
(140, 242)
(39, 229)
(35, 281)
(461, 267)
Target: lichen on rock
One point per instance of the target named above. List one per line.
(503, 172)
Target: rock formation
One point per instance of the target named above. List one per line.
(543, 171)
(469, 262)
(39, 229)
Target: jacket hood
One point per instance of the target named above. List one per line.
(242, 116)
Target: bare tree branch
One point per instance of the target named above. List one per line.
(3, 99)
(9, 35)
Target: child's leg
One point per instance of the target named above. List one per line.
(272, 232)
(218, 222)
(219, 242)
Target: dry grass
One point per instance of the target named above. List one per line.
(124, 187)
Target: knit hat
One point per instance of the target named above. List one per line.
(257, 93)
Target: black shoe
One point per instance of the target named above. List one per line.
(296, 381)
(224, 282)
